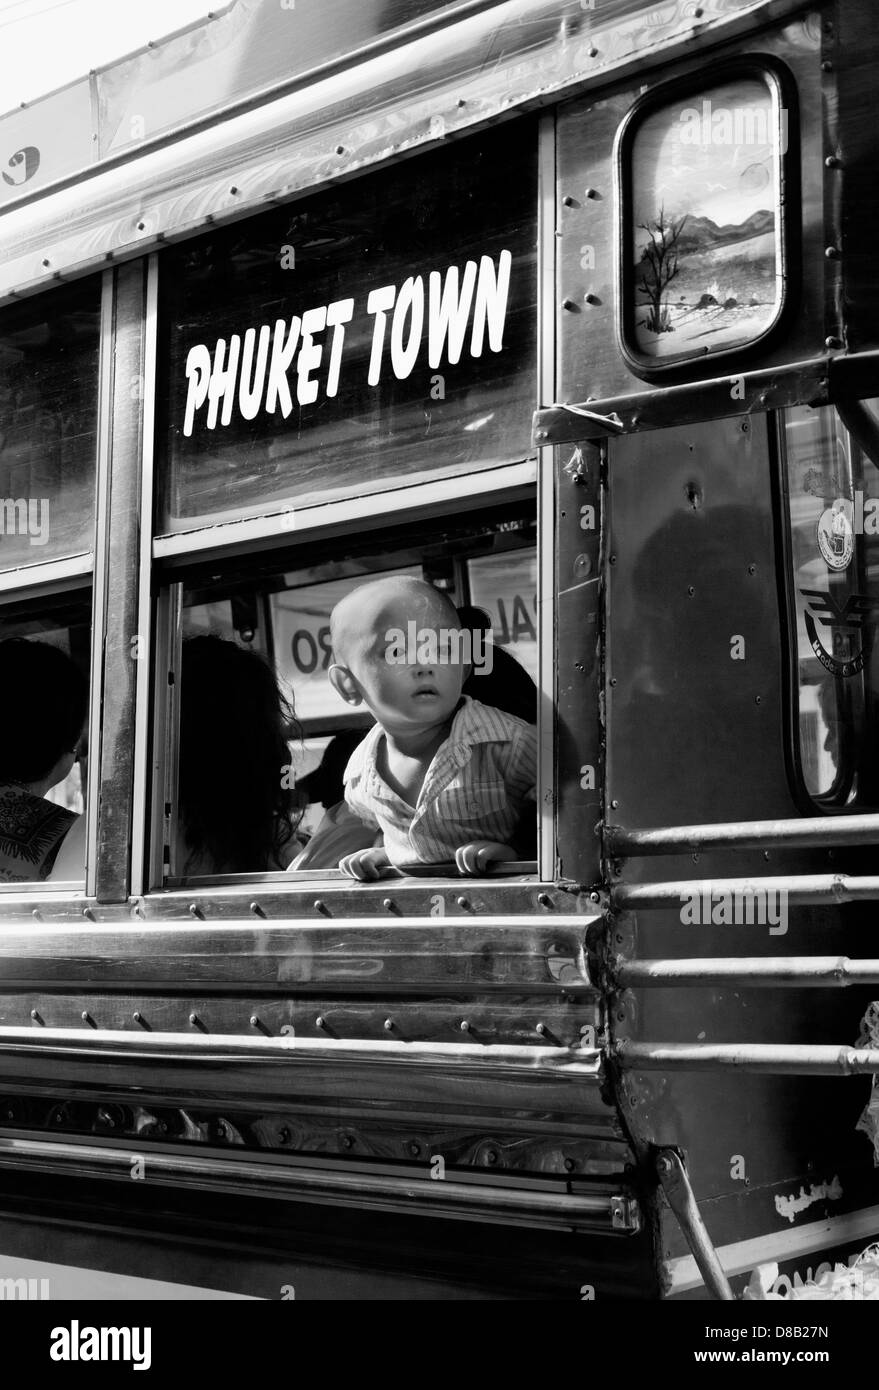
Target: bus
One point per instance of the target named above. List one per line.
(563, 306)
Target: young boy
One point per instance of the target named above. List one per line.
(441, 775)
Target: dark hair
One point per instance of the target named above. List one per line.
(507, 685)
(43, 705)
(234, 724)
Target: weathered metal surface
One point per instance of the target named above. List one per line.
(592, 371)
(579, 666)
(647, 410)
(518, 54)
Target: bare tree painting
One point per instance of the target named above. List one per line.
(659, 266)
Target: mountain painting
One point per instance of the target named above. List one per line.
(706, 245)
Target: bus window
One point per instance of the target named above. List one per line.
(259, 716)
(48, 425)
(44, 664)
(373, 336)
(832, 502)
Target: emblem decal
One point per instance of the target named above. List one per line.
(846, 624)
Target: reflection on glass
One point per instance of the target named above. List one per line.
(48, 425)
(371, 336)
(704, 238)
(44, 743)
(487, 565)
(833, 514)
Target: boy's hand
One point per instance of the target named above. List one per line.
(365, 863)
(475, 857)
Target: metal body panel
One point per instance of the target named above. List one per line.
(435, 88)
(591, 368)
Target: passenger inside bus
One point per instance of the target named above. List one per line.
(43, 708)
(441, 775)
(237, 812)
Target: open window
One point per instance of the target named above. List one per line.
(236, 622)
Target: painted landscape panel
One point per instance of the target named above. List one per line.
(705, 234)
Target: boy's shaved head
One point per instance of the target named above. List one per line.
(387, 603)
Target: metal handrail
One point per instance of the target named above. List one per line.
(799, 890)
(789, 1059)
(806, 832)
(800, 972)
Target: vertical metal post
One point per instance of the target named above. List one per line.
(546, 519)
(116, 581)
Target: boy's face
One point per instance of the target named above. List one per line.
(408, 668)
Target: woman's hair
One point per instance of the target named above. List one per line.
(236, 804)
(43, 705)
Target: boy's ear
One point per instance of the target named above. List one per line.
(344, 684)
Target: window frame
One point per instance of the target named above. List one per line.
(781, 82)
(45, 579)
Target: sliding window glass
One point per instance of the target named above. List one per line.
(49, 350)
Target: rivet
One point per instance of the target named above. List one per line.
(544, 900)
(593, 52)
(698, 12)
(195, 910)
(284, 1134)
(461, 101)
(621, 1014)
(568, 201)
(752, 569)
(340, 149)
(542, 1029)
(827, 66)
(390, 906)
(614, 804)
(591, 298)
(141, 226)
(591, 192)
(833, 161)
(613, 680)
(833, 342)
(347, 1141)
(831, 253)
(758, 699)
(389, 1025)
(87, 1018)
(569, 1165)
(88, 914)
(613, 559)
(36, 914)
(197, 1023)
(463, 903)
(233, 190)
(35, 1016)
(46, 261)
(257, 910)
(491, 1156)
(566, 304)
(691, 590)
(414, 1149)
(138, 1017)
(465, 1025)
(541, 434)
(256, 1022)
(320, 906)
